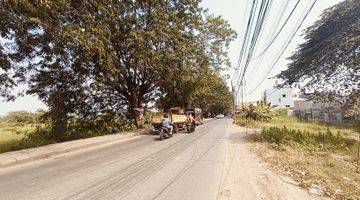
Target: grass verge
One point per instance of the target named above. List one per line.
(316, 155)
(20, 136)
(23, 136)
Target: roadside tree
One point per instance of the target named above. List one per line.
(86, 59)
(328, 62)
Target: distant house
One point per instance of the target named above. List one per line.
(280, 98)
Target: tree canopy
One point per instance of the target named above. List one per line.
(328, 62)
(90, 58)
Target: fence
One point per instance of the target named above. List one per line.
(320, 112)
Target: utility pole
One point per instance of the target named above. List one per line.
(234, 93)
(242, 93)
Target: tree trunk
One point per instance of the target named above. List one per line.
(58, 115)
(135, 104)
(59, 128)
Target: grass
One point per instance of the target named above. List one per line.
(311, 153)
(22, 136)
(325, 140)
(18, 136)
(335, 173)
(13, 132)
(297, 124)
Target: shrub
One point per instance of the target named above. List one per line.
(280, 112)
(242, 121)
(77, 129)
(284, 135)
(260, 112)
(102, 125)
(23, 117)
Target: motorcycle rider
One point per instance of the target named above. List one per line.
(166, 123)
(190, 118)
(190, 123)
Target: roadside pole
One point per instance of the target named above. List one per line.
(234, 102)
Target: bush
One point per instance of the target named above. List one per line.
(280, 112)
(284, 135)
(77, 129)
(260, 112)
(242, 121)
(23, 117)
(102, 125)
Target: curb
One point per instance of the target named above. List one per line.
(13, 158)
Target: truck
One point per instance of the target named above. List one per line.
(197, 115)
(177, 117)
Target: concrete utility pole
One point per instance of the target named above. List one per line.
(234, 101)
(242, 87)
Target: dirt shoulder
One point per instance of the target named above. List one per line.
(246, 176)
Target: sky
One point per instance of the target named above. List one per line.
(234, 11)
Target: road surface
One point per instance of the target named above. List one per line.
(211, 164)
(183, 167)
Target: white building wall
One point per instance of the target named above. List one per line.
(280, 98)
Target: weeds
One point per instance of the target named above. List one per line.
(23, 136)
(260, 112)
(326, 140)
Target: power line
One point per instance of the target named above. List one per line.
(271, 36)
(284, 48)
(244, 43)
(262, 17)
(265, 4)
(278, 33)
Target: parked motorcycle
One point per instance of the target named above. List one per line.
(165, 133)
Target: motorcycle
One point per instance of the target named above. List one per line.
(165, 133)
(190, 126)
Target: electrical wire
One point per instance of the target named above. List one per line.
(278, 19)
(244, 43)
(278, 33)
(284, 48)
(256, 36)
(264, 7)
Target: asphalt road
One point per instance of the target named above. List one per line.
(185, 167)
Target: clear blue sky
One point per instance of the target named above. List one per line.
(233, 12)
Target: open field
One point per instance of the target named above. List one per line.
(12, 135)
(322, 158)
(13, 132)
(327, 173)
(294, 123)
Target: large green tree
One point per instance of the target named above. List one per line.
(212, 95)
(89, 58)
(42, 48)
(197, 69)
(328, 63)
(206, 90)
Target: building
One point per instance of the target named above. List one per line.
(281, 97)
(302, 107)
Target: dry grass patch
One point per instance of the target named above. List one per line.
(333, 172)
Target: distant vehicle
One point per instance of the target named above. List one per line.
(220, 116)
(229, 115)
(197, 115)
